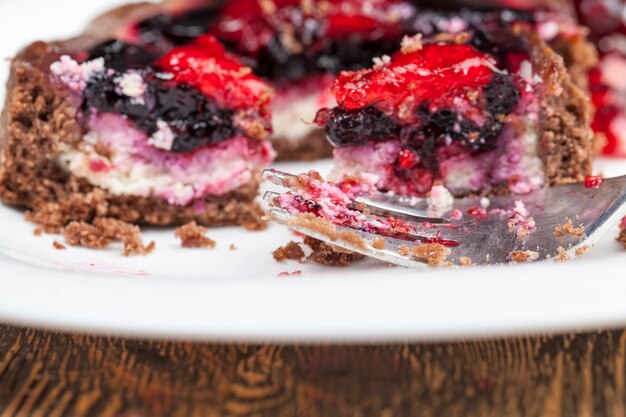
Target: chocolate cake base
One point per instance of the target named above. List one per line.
(313, 146)
(39, 116)
(566, 141)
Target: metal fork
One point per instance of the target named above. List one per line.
(480, 240)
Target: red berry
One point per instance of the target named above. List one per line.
(407, 159)
(205, 66)
(433, 76)
(593, 181)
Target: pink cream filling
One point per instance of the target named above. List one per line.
(116, 156)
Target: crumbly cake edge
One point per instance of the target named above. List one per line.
(566, 137)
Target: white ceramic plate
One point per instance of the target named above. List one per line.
(236, 295)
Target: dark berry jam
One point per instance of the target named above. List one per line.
(358, 127)
(194, 119)
(329, 56)
(122, 56)
(190, 103)
(167, 30)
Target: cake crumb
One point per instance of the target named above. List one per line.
(193, 236)
(434, 254)
(411, 44)
(561, 254)
(523, 256)
(379, 244)
(465, 261)
(232, 247)
(457, 38)
(569, 229)
(404, 250)
(316, 251)
(582, 250)
(38, 231)
(326, 254)
(58, 246)
(292, 251)
(105, 230)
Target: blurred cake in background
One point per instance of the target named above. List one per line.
(606, 20)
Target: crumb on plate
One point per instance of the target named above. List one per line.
(316, 251)
(193, 236)
(105, 230)
(58, 246)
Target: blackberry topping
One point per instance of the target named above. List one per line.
(121, 56)
(165, 29)
(501, 94)
(194, 119)
(357, 127)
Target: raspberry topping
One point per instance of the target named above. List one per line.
(206, 66)
(433, 76)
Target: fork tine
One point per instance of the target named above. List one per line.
(277, 177)
(270, 197)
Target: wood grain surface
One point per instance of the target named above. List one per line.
(53, 374)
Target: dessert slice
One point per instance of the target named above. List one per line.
(114, 130)
(479, 111)
(298, 46)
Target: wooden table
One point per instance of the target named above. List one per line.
(52, 374)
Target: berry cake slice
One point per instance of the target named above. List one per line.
(485, 110)
(96, 128)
